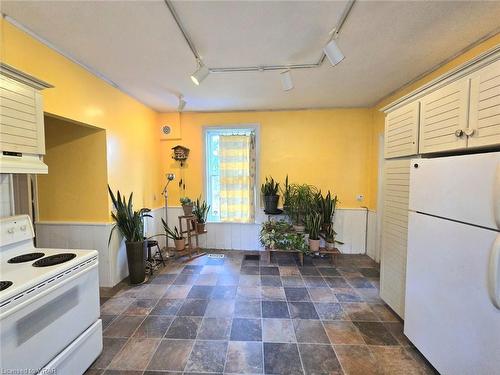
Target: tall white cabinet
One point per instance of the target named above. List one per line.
(458, 112)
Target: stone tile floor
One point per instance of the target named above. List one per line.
(238, 316)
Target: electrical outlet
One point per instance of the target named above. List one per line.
(360, 197)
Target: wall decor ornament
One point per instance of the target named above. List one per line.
(181, 154)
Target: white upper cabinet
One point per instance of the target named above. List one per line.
(401, 131)
(21, 112)
(444, 118)
(484, 117)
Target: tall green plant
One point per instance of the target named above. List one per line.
(173, 234)
(326, 206)
(270, 187)
(313, 220)
(301, 201)
(130, 223)
(201, 209)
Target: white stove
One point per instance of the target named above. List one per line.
(49, 304)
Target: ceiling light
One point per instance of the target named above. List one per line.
(200, 74)
(286, 80)
(182, 103)
(333, 52)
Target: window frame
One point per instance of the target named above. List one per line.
(250, 126)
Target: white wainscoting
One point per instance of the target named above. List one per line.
(350, 225)
(94, 236)
(372, 243)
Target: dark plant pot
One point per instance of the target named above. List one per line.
(200, 228)
(271, 203)
(136, 262)
(180, 244)
(188, 209)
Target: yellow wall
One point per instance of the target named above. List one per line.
(326, 148)
(131, 127)
(379, 117)
(75, 188)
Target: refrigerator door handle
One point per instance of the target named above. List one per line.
(494, 273)
(496, 196)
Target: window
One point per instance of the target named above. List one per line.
(230, 173)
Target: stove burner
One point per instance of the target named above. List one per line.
(5, 284)
(25, 258)
(54, 259)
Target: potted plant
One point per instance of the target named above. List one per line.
(287, 192)
(330, 240)
(201, 209)
(301, 202)
(314, 226)
(187, 206)
(326, 206)
(280, 235)
(269, 190)
(130, 224)
(179, 241)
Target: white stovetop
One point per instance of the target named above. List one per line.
(25, 276)
(16, 238)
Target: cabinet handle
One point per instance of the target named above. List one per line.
(494, 274)
(459, 133)
(469, 132)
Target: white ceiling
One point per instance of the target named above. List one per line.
(137, 45)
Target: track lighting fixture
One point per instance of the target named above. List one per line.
(286, 80)
(182, 103)
(200, 74)
(333, 52)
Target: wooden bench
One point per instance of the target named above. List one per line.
(333, 253)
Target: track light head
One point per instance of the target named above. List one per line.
(200, 74)
(182, 103)
(333, 52)
(286, 80)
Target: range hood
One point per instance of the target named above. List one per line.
(12, 162)
(22, 133)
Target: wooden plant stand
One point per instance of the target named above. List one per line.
(192, 243)
(268, 253)
(333, 253)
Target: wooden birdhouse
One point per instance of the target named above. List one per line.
(181, 153)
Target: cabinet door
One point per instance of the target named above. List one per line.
(484, 118)
(401, 131)
(21, 118)
(394, 233)
(443, 118)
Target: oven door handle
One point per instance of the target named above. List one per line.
(42, 294)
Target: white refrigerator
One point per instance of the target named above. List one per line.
(452, 308)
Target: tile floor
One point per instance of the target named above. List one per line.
(238, 316)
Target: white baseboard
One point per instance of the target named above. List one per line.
(350, 225)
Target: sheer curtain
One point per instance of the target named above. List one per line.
(237, 176)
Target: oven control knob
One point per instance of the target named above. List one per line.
(10, 230)
(23, 228)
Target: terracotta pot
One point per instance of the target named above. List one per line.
(329, 245)
(180, 244)
(136, 263)
(314, 245)
(188, 209)
(200, 228)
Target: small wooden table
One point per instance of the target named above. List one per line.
(333, 253)
(300, 253)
